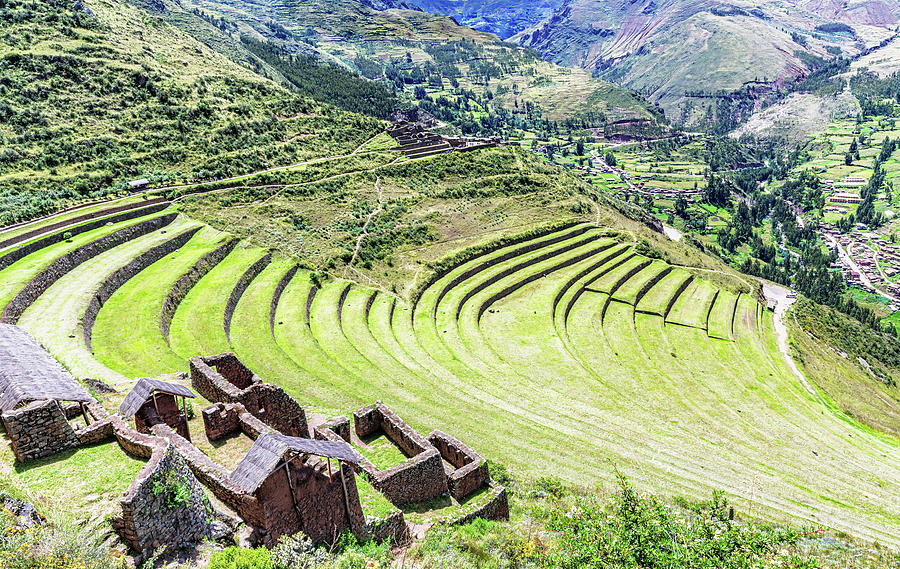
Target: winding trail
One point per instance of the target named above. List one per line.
(780, 295)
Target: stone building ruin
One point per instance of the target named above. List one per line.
(223, 378)
(33, 390)
(151, 402)
(298, 490)
(418, 479)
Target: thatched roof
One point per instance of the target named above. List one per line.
(28, 373)
(142, 391)
(268, 453)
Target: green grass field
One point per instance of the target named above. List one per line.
(564, 354)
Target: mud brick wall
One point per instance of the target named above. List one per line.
(63, 265)
(471, 470)
(220, 420)
(38, 430)
(224, 419)
(150, 518)
(269, 403)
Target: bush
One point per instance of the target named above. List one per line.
(239, 558)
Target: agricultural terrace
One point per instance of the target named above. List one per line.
(564, 352)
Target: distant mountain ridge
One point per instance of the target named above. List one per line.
(504, 18)
(668, 49)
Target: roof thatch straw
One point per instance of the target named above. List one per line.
(28, 373)
(142, 391)
(268, 453)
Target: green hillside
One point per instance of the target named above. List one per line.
(104, 93)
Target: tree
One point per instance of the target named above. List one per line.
(579, 148)
(681, 207)
(610, 158)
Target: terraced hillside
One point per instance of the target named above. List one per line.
(562, 353)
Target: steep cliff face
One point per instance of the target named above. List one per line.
(670, 49)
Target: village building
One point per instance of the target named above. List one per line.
(845, 197)
(38, 397)
(152, 401)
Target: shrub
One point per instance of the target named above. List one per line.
(239, 558)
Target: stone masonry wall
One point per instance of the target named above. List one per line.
(42, 281)
(38, 244)
(471, 470)
(154, 514)
(495, 506)
(38, 430)
(240, 287)
(114, 282)
(187, 281)
(269, 403)
(224, 419)
(418, 479)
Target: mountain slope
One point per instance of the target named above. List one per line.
(103, 93)
(412, 48)
(671, 49)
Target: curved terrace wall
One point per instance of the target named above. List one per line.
(72, 221)
(240, 287)
(114, 282)
(188, 280)
(25, 250)
(276, 297)
(63, 265)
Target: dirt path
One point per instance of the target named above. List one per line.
(780, 295)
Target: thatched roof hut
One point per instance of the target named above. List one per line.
(270, 452)
(28, 373)
(144, 389)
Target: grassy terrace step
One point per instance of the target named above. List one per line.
(721, 314)
(54, 319)
(614, 278)
(633, 289)
(664, 293)
(197, 327)
(17, 275)
(127, 335)
(252, 340)
(693, 305)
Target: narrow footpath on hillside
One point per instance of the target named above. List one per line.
(779, 294)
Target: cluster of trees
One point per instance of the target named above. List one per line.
(325, 82)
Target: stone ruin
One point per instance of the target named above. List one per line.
(287, 482)
(223, 378)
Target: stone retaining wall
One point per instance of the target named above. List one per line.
(38, 430)
(224, 419)
(494, 507)
(276, 298)
(114, 282)
(269, 403)
(25, 250)
(418, 479)
(238, 291)
(187, 281)
(471, 470)
(71, 221)
(61, 266)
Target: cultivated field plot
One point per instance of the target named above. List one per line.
(566, 354)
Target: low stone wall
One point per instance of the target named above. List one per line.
(38, 430)
(494, 506)
(471, 470)
(238, 291)
(25, 250)
(418, 479)
(114, 282)
(153, 516)
(187, 281)
(61, 266)
(392, 528)
(269, 403)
